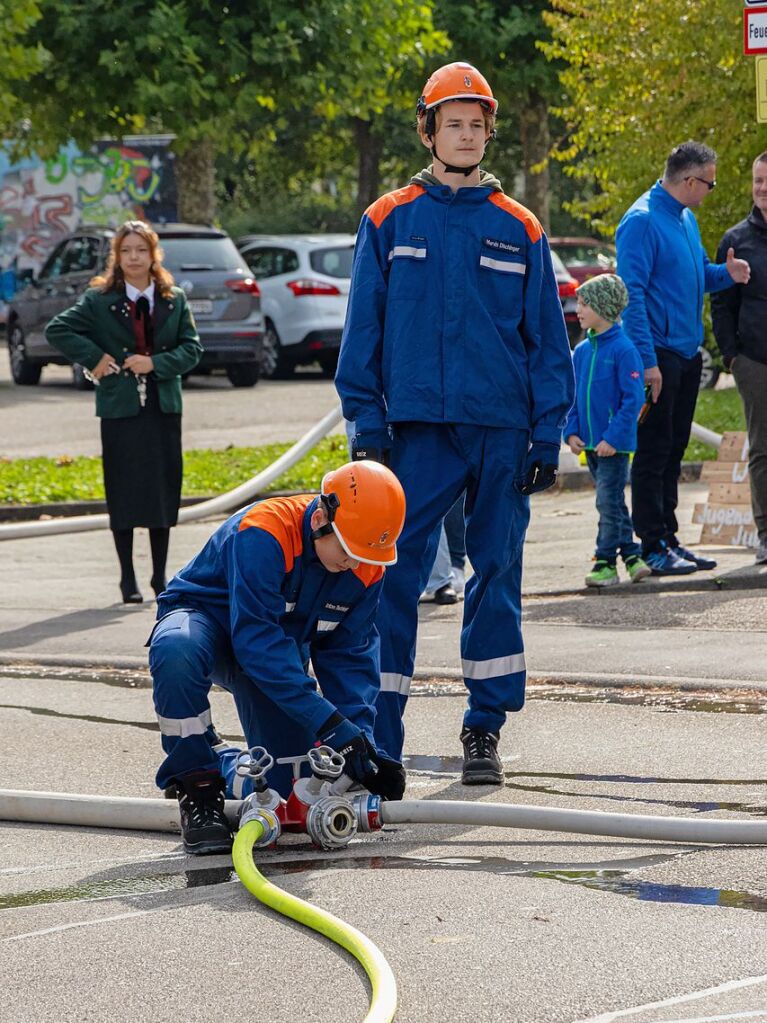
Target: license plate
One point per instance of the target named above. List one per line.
(201, 306)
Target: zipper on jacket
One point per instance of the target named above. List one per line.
(593, 343)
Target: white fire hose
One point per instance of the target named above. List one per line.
(162, 815)
(229, 501)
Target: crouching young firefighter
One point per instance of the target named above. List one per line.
(280, 583)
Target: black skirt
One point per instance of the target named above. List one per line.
(143, 466)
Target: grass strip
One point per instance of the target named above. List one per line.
(206, 473)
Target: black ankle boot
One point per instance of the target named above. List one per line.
(130, 591)
(204, 826)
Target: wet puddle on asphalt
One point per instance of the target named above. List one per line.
(595, 877)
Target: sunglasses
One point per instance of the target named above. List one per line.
(710, 185)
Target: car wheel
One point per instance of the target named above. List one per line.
(274, 364)
(79, 379)
(244, 374)
(23, 371)
(709, 373)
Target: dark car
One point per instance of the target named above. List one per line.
(222, 294)
(567, 285)
(585, 257)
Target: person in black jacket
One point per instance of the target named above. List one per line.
(740, 327)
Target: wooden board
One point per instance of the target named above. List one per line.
(734, 447)
(724, 472)
(729, 493)
(726, 524)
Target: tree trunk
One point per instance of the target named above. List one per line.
(534, 135)
(368, 165)
(195, 176)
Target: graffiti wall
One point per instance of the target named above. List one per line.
(41, 200)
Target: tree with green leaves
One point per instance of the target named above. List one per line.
(502, 40)
(216, 75)
(641, 77)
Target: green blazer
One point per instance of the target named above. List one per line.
(100, 322)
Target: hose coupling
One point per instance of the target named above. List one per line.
(367, 809)
(331, 822)
(268, 819)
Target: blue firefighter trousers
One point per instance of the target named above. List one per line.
(435, 462)
(189, 653)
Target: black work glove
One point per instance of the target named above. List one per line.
(374, 446)
(389, 780)
(345, 738)
(540, 468)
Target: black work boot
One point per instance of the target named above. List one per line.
(204, 826)
(481, 763)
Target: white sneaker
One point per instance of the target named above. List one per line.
(761, 554)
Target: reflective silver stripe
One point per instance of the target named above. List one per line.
(495, 667)
(502, 264)
(393, 683)
(184, 727)
(290, 607)
(407, 250)
(325, 626)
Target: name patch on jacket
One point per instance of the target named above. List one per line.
(337, 607)
(499, 246)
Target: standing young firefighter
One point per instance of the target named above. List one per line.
(456, 369)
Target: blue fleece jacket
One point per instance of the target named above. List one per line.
(666, 270)
(608, 391)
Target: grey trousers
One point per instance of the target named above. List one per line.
(751, 378)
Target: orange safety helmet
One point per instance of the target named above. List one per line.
(365, 503)
(456, 81)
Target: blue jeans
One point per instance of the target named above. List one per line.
(615, 535)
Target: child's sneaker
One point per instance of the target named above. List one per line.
(602, 574)
(637, 569)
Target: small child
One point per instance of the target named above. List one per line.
(603, 421)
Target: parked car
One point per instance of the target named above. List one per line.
(567, 286)
(223, 297)
(585, 257)
(304, 281)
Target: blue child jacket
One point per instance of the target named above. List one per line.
(259, 577)
(609, 391)
(454, 315)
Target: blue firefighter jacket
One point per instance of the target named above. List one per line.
(608, 391)
(454, 315)
(666, 270)
(259, 577)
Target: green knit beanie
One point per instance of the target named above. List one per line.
(606, 295)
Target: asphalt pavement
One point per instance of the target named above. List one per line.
(647, 698)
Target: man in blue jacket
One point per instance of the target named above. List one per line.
(278, 583)
(666, 270)
(456, 370)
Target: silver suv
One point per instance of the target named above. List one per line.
(223, 297)
(304, 281)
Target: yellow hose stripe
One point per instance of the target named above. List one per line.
(383, 1003)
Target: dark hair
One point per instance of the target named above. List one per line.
(688, 156)
(761, 158)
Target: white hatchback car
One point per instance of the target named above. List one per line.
(304, 282)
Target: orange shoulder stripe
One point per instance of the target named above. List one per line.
(369, 574)
(282, 518)
(520, 212)
(381, 208)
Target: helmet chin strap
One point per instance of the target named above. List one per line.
(449, 168)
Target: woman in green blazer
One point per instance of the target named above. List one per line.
(135, 335)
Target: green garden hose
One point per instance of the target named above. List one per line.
(383, 1003)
